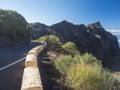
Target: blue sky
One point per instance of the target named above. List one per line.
(75, 11)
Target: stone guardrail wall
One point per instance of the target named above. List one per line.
(31, 76)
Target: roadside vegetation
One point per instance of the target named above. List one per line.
(78, 71)
(84, 72)
(13, 24)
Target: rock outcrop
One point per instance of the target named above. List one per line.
(92, 39)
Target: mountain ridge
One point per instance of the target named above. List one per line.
(92, 38)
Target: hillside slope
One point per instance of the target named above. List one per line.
(13, 29)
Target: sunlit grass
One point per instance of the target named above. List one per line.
(84, 77)
(84, 73)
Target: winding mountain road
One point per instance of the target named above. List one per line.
(12, 65)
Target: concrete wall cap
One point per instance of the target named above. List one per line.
(31, 78)
(31, 57)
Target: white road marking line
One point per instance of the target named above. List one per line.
(9, 65)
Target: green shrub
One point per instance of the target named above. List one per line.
(63, 63)
(53, 42)
(90, 59)
(84, 77)
(87, 77)
(70, 48)
(13, 25)
(108, 80)
(66, 61)
(83, 73)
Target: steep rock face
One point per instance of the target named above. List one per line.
(106, 46)
(92, 39)
(13, 29)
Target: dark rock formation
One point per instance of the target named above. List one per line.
(13, 29)
(92, 39)
(38, 29)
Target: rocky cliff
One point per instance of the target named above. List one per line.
(13, 29)
(92, 38)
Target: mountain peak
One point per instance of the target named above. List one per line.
(38, 23)
(95, 25)
(65, 22)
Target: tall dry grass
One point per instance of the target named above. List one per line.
(83, 73)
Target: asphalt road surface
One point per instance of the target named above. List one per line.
(12, 65)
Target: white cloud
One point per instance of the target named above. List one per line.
(114, 31)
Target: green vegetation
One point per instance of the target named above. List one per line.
(65, 62)
(53, 42)
(76, 71)
(83, 73)
(70, 48)
(13, 25)
(86, 77)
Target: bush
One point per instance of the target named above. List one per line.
(53, 42)
(70, 48)
(63, 63)
(84, 77)
(83, 73)
(13, 25)
(90, 59)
